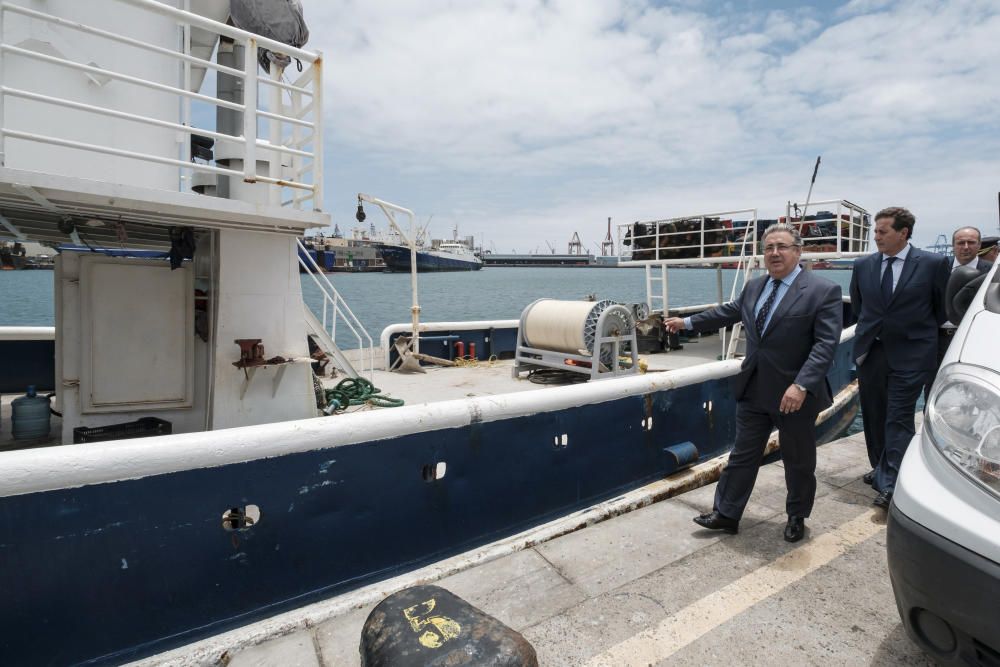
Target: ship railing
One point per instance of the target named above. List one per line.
(838, 229)
(702, 238)
(333, 310)
(292, 116)
(724, 238)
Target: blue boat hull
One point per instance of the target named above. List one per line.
(115, 571)
(397, 259)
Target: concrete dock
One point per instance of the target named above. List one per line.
(650, 588)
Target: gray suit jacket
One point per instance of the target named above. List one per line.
(908, 324)
(798, 344)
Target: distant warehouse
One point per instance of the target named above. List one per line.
(494, 259)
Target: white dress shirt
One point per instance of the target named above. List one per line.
(897, 266)
(974, 264)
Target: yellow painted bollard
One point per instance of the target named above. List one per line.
(427, 626)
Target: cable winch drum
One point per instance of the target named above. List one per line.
(571, 326)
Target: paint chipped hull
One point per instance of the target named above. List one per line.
(133, 558)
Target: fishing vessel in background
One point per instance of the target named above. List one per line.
(193, 477)
(453, 255)
(358, 253)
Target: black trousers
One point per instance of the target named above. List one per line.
(888, 401)
(797, 432)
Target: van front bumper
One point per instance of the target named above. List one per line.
(947, 595)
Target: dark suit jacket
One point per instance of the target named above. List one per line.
(798, 344)
(908, 324)
(983, 266)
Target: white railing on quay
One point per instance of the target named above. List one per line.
(292, 126)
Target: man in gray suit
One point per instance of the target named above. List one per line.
(898, 297)
(792, 319)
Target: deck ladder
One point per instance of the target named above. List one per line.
(656, 277)
(334, 309)
(745, 270)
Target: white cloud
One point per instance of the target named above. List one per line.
(557, 114)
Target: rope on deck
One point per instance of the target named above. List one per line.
(357, 391)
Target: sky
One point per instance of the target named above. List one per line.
(524, 121)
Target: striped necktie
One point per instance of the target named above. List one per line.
(766, 308)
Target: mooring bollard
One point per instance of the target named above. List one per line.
(427, 626)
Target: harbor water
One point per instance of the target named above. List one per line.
(381, 299)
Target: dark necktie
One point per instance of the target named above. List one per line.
(887, 281)
(766, 308)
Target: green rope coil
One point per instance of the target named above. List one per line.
(358, 391)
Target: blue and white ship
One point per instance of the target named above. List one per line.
(449, 256)
(246, 499)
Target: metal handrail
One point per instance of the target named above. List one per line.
(308, 174)
(858, 224)
(156, 122)
(337, 306)
(661, 238)
(233, 32)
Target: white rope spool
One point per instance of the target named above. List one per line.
(570, 326)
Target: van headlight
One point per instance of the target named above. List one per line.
(963, 421)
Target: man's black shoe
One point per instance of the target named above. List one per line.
(868, 477)
(715, 521)
(795, 529)
(883, 500)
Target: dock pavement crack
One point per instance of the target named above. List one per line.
(554, 566)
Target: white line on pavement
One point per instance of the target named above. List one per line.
(692, 622)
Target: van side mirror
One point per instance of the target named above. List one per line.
(962, 287)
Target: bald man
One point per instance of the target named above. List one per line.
(965, 245)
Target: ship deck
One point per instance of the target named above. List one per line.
(648, 587)
(441, 383)
(436, 385)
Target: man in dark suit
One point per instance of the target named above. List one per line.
(898, 298)
(965, 245)
(792, 319)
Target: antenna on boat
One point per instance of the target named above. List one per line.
(811, 184)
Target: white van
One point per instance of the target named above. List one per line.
(944, 521)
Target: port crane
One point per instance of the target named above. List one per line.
(608, 244)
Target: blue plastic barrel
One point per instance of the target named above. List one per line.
(30, 416)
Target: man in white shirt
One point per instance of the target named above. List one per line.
(965, 244)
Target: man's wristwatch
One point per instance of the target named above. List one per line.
(800, 387)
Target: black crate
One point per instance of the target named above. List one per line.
(141, 428)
